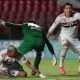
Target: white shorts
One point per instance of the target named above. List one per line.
(73, 43)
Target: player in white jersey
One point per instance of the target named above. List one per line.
(68, 21)
(8, 63)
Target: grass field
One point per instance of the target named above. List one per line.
(51, 72)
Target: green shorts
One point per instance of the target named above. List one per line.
(31, 43)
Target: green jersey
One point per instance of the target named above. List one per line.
(28, 29)
(34, 37)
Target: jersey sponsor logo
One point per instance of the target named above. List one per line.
(34, 26)
(70, 24)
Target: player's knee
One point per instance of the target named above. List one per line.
(22, 74)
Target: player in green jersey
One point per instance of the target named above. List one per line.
(34, 38)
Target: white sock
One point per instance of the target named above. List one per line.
(62, 56)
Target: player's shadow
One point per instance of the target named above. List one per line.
(72, 75)
(36, 76)
(59, 75)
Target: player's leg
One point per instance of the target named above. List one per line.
(27, 62)
(25, 47)
(33, 68)
(37, 61)
(17, 70)
(62, 58)
(17, 73)
(22, 74)
(39, 47)
(77, 49)
(75, 46)
(63, 54)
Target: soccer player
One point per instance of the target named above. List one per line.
(8, 63)
(34, 38)
(68, 21)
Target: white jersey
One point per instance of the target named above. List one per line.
(8, 64)
(5, 58)
(69, 25)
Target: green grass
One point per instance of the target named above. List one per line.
(52, 72)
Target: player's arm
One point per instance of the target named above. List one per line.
(50, 47)
(33, 68)
(19, 56)
(54, 25)
(11, 25)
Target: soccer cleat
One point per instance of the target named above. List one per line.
(41, 75)
(62, 71)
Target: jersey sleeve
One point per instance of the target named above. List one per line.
(54, 25)
(50, 47)
(11, 25)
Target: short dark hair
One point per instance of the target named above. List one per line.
(32, 21)
(67, 3)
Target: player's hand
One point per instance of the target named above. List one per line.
(2, 22)
(48, 34)
(41, 75)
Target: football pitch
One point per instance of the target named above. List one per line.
(52, 72)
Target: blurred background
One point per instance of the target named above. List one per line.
(43, 12)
